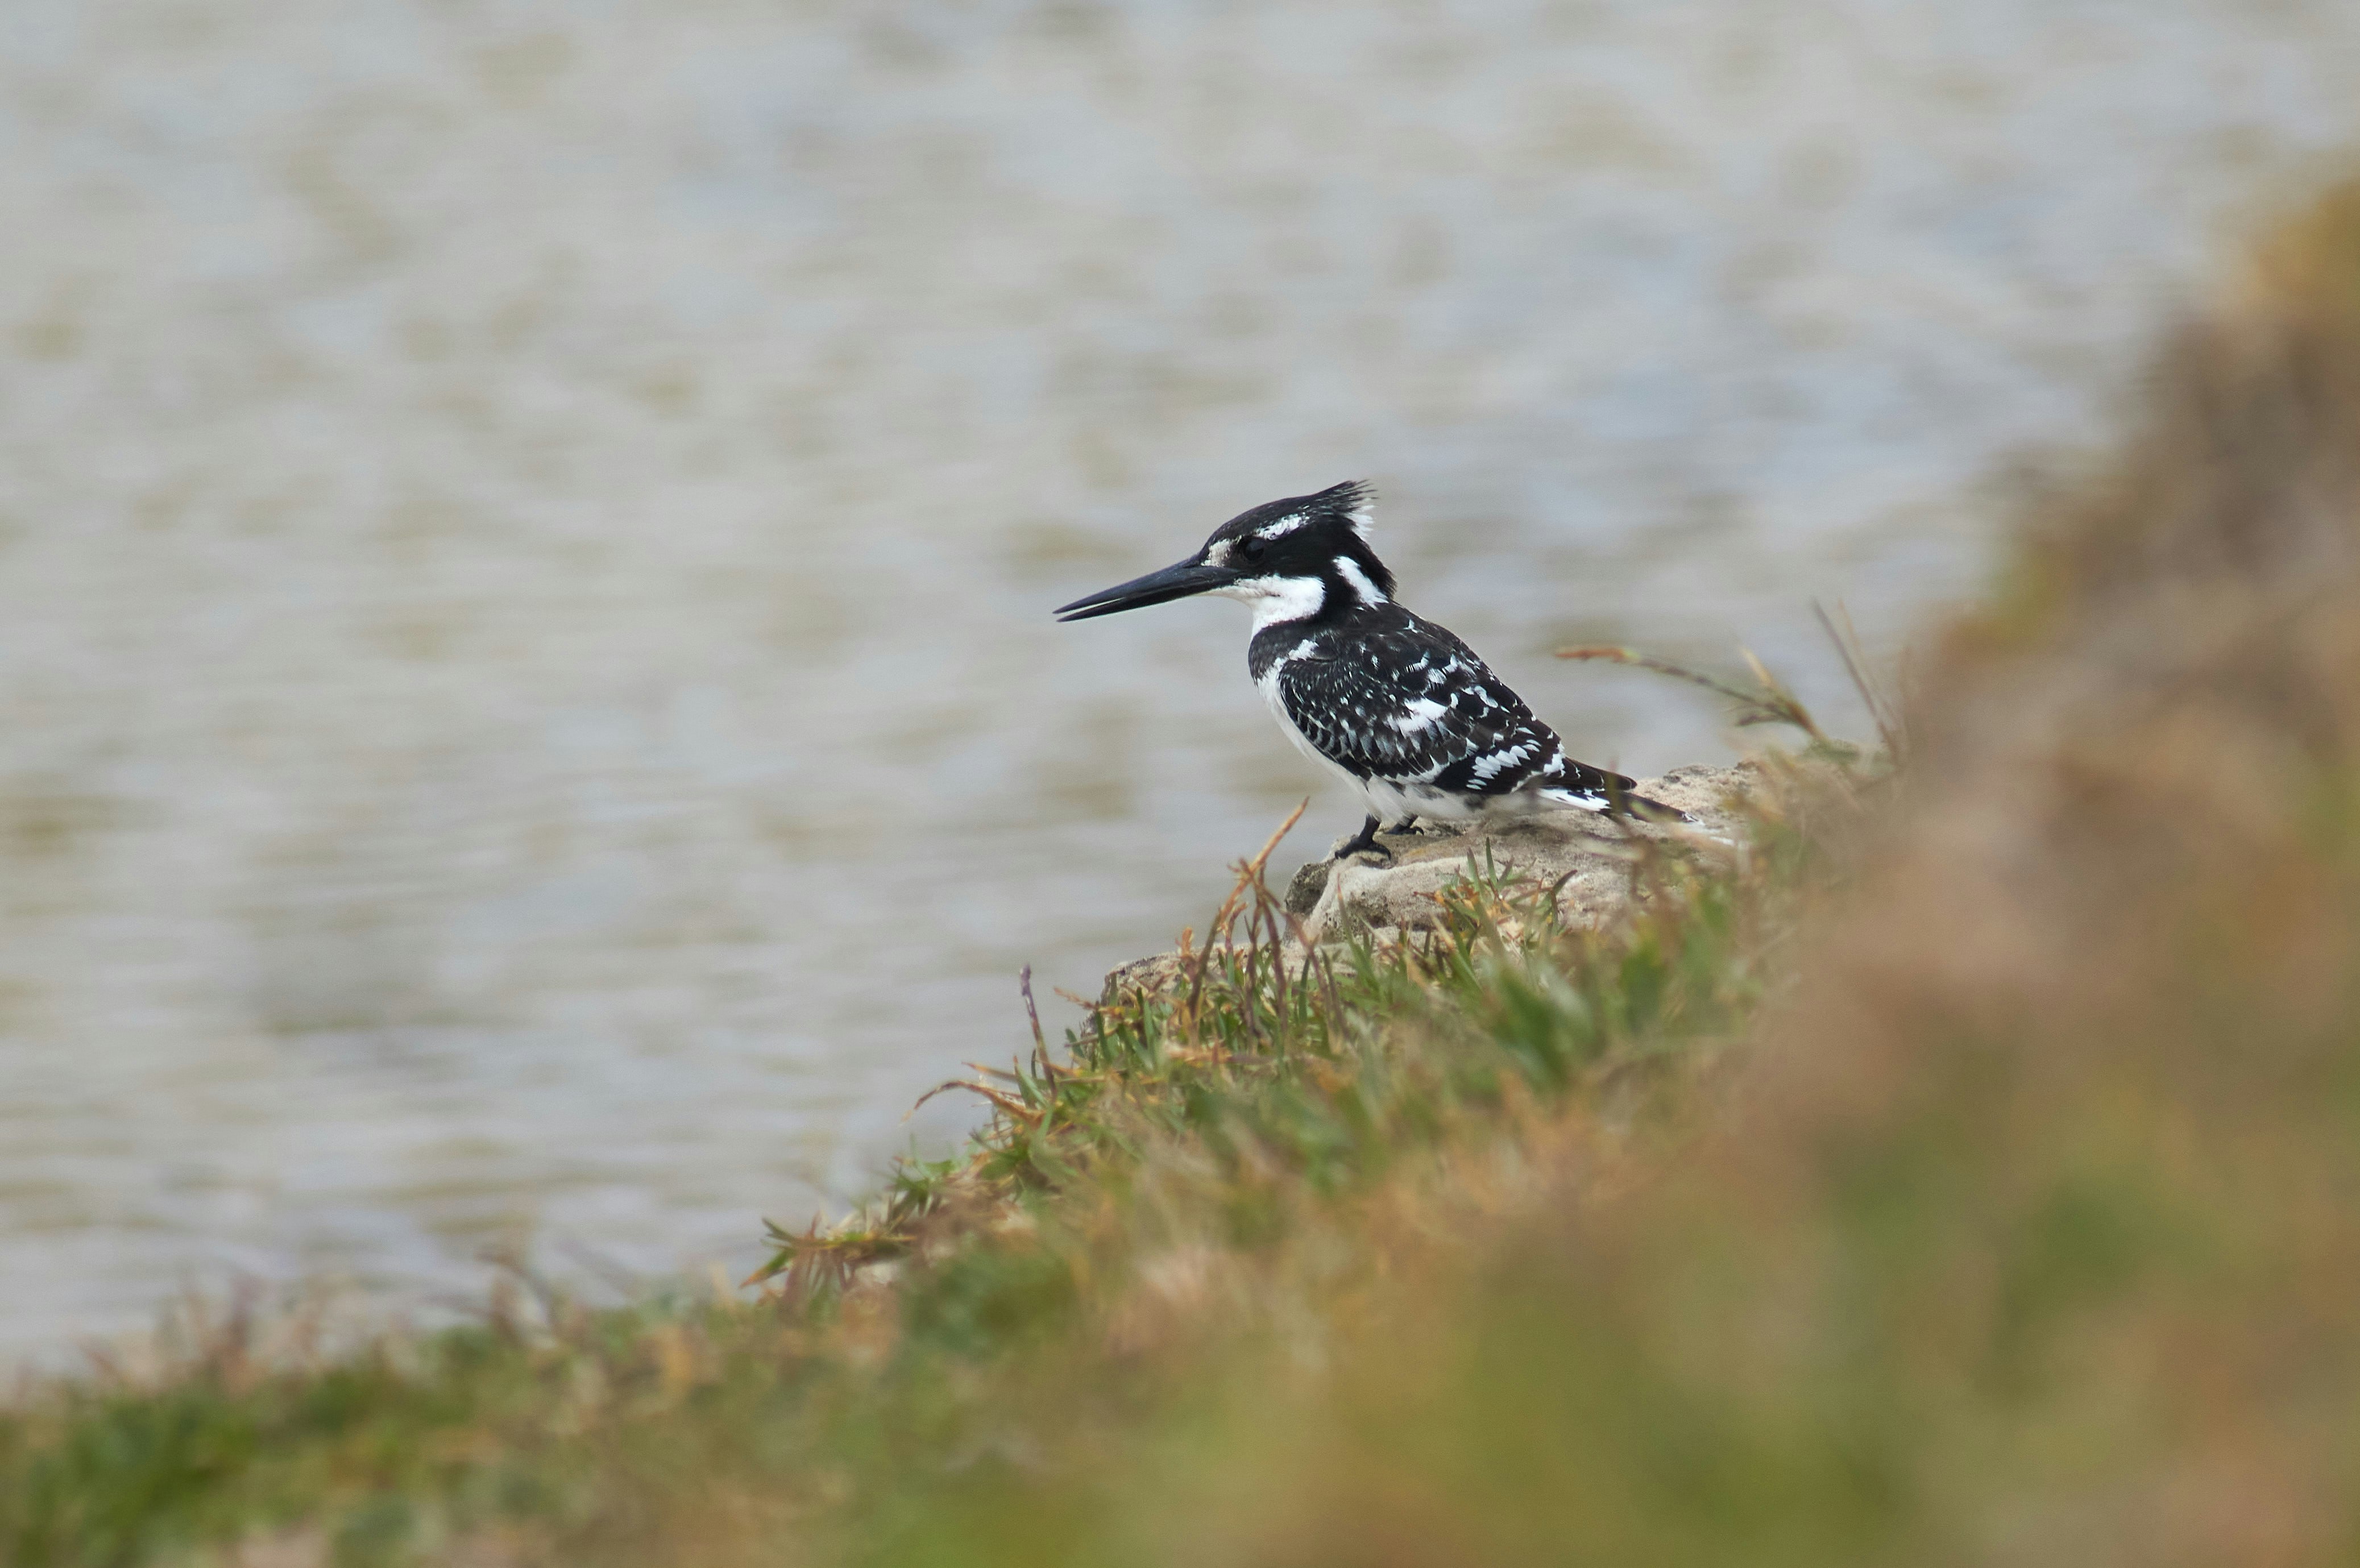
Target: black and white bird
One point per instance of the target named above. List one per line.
(1403, 711)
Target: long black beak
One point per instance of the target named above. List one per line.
(1155, 588)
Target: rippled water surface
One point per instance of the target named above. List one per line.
(526, 530)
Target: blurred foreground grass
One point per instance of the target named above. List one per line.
(1971, 1174)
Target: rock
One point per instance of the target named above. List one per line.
(1311, 880)
(1150, 974)
(1590, 857)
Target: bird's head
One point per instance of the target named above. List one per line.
(1292, 560)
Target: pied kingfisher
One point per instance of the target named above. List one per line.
(1404, 711)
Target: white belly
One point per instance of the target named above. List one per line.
(1277, 705)
(1386, 798)
(1392, 801)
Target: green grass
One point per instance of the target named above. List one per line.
(1235, 1108)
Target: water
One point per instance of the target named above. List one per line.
(526, 530)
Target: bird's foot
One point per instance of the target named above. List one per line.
(1366, 839)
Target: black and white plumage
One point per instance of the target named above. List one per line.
(1404, 711)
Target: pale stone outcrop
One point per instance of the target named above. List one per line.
(1590, 860)
(1589, 857)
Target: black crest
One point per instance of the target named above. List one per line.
(1305, 536)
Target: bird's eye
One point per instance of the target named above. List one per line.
(1253, 548)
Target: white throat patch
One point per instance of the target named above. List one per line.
(1277, 599)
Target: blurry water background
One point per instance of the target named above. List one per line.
(526, 530)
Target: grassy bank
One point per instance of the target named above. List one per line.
(1211, 1167)
(1970, 1174)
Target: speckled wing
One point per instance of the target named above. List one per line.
(1415, 705)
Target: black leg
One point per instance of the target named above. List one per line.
(1404, 825)
(1365, 839)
